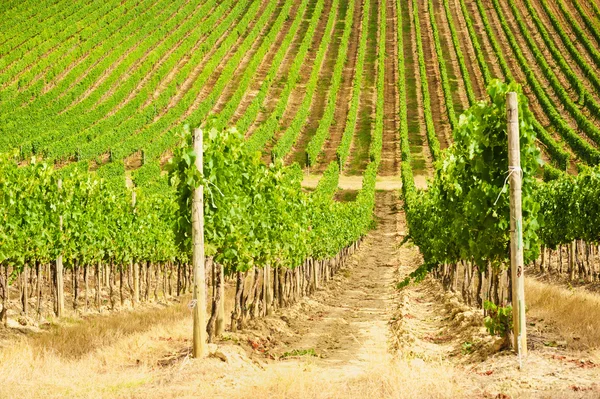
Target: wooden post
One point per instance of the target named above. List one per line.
(25, 288)
(220, 320)
(268, 298)
(199, 291)
(516, 226)
(572, 250)
(60, 295)
(136, 265)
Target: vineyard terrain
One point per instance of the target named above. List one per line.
(357, 335)
(350, 158)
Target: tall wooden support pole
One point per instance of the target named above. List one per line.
(60, 295)
(136, 265)
(199, 290)
(516, 226)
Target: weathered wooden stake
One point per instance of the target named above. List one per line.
(199, 292)
(220, 320)
(60, 295)
(516, 226)
(135, 264)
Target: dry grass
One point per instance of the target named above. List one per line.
(84, 336)
(100, 358)
(380, 379)
(576, 313)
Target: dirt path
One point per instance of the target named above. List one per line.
(345, 324)
(351, 182)
(351, 326)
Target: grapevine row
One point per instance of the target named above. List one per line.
(80, 115)
(18, 59)
(580, 34)
(554, 148)
(343, 150)
(249, 116)
(377, 131)
(127, 133)
(140, 129)
(584, 124)
(268, 128)
(434, 144)
(290, 135)
(459, 55)
(447, 91)
(226, 114)
(581, 147)
(589, 72)
(408, 182)
(100, 226)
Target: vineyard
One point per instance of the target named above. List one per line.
(339, 138)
